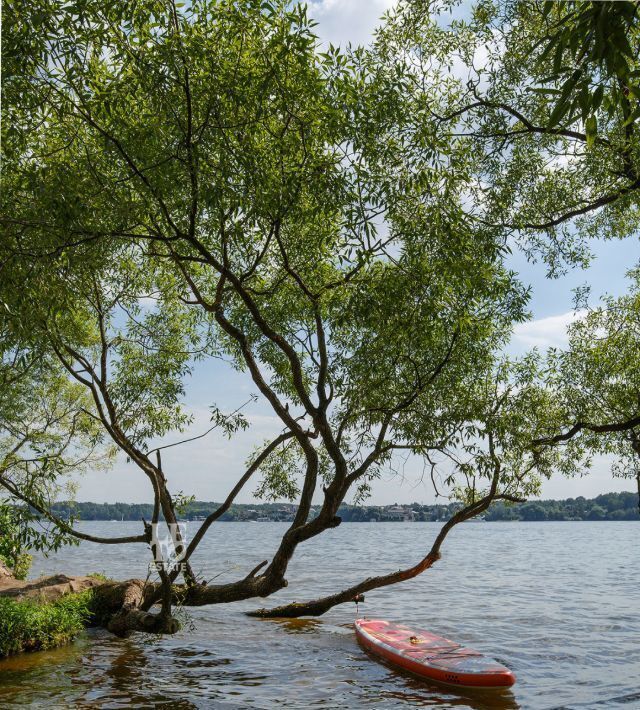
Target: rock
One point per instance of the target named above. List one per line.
(45, 588)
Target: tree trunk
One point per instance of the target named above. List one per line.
(319, 606)
(118, 606)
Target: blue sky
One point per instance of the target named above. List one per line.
(208, 468)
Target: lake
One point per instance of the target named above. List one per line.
(558, 603)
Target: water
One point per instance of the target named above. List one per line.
(558, 603)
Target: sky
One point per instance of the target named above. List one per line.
(209, 467)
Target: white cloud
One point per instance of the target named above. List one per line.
(546, 332)
(344, 21)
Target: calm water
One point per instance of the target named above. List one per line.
(559, 603)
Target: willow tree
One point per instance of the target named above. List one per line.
(545, 95)
(45, 437)
(596, 384)
(281, 208)
(551, 110)
(553, 114)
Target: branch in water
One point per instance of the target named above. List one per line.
(319, 606)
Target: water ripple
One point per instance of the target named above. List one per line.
(556, 602)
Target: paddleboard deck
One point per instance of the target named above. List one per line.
(430, 656)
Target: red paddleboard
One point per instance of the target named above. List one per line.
(431, 656)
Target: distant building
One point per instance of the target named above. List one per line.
(399, 513)
(284, 514)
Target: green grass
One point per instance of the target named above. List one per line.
(100, 575)
(34, 626)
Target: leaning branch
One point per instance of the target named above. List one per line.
(222, 509)
(65, 526)
(319, 606)
(587, 426)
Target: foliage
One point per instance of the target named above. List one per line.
(34, 626)
(596, 382)
(544, 98)
(100, 575)
(279, 474)
(197, 182)
(14, 540)
(545, 104)
(292, 217)
(45, 437)
(599, 41)
(608, 506)
(181, 502)
(617, 506)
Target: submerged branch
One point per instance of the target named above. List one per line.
(321, 605)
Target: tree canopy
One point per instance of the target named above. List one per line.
(182, 183)
(545, 100)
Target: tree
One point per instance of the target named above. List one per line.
(282, 210)
(595, 382)
(600, 40)
(201, 182)
(532, 511)
(546, 99)
(563, 104)
(547, 102)
(45, 435)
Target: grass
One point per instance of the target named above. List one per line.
(100, 575)
(34, 626)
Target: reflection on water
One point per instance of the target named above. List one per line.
(297, 626)
(420, 693)
(556, 602)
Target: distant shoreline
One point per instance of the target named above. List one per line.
(608, 506)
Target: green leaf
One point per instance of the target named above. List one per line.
(591, 127)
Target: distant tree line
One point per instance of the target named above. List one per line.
(608, 506)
